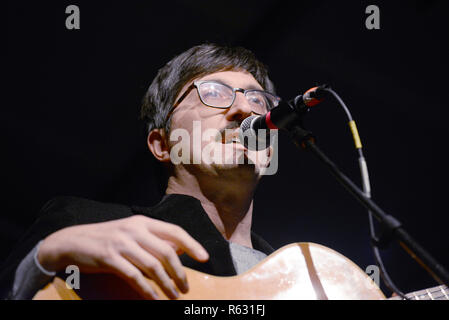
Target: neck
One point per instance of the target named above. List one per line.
(227, 201)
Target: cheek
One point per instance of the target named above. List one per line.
(209, 118)
(197, 120)
(189, 126)
(183, 120)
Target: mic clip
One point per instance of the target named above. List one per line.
(300, 136)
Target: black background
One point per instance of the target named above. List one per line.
(70, 112)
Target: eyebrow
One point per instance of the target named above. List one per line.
(249, 87)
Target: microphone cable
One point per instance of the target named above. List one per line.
(367, 190)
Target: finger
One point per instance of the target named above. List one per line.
(127, 271)
(167, 256)
(179, 237)
(177, 249)
(151, 267)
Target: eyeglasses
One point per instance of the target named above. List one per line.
(219, 95)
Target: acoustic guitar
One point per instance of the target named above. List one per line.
(297, 271)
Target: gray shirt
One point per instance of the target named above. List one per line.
(30, 276)
(244, 258)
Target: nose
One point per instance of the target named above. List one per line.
(240, 109)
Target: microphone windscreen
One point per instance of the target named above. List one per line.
(251, 137)
(246, 123)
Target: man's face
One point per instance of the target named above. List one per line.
(210, 135)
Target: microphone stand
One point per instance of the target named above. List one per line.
(392, 228)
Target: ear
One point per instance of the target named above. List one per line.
(157, 143)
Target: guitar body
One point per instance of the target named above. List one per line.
(296, 271)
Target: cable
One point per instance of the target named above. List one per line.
(367, 190)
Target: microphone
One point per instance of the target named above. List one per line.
(284, 116)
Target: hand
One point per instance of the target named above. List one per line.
(130, 248)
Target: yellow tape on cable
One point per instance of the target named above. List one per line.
(355, 134)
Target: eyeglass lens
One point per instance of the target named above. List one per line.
(221, 96)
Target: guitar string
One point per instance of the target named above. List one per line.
(428, 294)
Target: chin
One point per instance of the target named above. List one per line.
(239, 169)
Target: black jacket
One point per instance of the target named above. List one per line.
(182, 210)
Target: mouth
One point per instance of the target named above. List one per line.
(232, 137)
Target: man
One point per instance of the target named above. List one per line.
(204, 220)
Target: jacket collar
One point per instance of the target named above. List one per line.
(188, 213)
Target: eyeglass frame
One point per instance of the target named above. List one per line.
(196, 85)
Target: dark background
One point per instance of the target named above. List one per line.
(70, 112)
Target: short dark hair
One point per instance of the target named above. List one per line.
(196, 62)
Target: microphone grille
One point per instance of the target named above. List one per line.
(246, 123)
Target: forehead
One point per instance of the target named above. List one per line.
(235, 79)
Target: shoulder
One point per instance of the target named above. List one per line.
(82, 210)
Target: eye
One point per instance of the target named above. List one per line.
(213, 93)
(257, 100)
